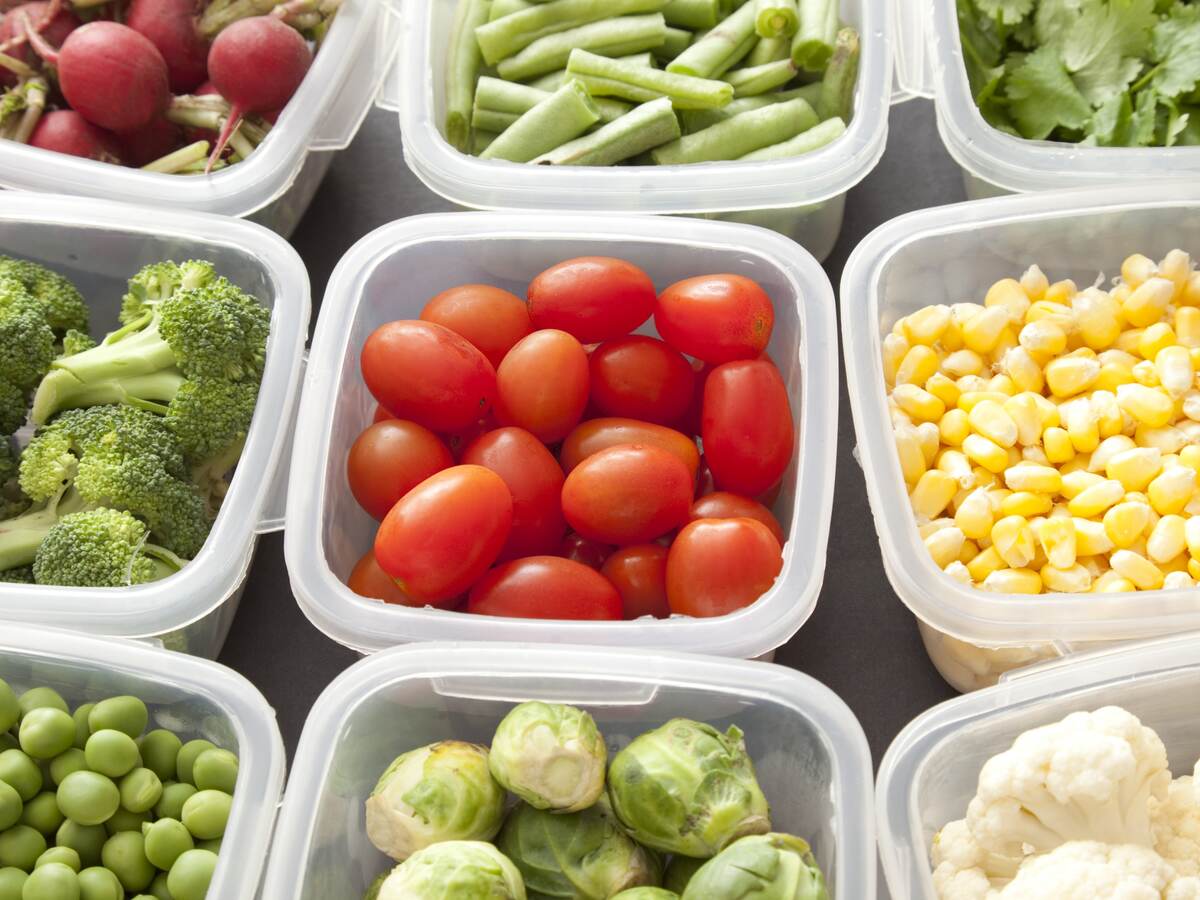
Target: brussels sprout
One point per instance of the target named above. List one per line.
(443, 792)
(454, 870)
(686, 788)
(583, 855)
(646, 893)
(679, 872)
(551, 756)
(764, 867)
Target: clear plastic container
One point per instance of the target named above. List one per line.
(194, 698)
(954, 254)
(803, 198)
(809, 751)
(99, 245)
(392, 273)
(276, 183)
(930, 772)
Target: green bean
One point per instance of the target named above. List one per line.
(502, 8)
(740, 135)
(500, 103)
(552, 82)
(769, 50)
(609, 77)
(776, 18)
(837, 96)
(646, 127)
(676, 41)
(812, 45)
(10, 706)
(463, 61)
(755, 80)
(563, 115)
(480, 141)
(693, 15)
(510, 35)
(807, 141)
(611, 37)
(721, 49)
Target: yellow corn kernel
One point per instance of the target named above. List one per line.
(944, 388)
(1081, 425)
(1190, 457)
(1145, 373)
(1010, 296)
(1138, 269)
(1013, 539)
(1129, 340)
(1147, 405)
(1191, 293)
(1166, 440)
(926, 325)
(918, 402)
(1002, 384)
(968, 400)
(1178, 581)
(908, 447)
(1058, 446)
(1034, 283)
(962, 362)
(989, 419)
(944, 545)
(1191, 534)
(936, 525)
(1014, 457)
(983, 565)
(1148, 302)
(1187, 326)
(1044, 337)
(1168, 539)
(1190, 405)
(974, 515)
(895, 347)
(982, 331)
(1135, 468)
(1023, 370)
(1090, 538)
(1155, 338)
(1073, 579)
(1056, 535)
(1097, 316)
(918, 366)
(954, 427)
(969, 551)
(932, 494)
(1076, 482)
(1026, 413)
(1145, 575)
(1026, 504)
(1176, 267)
(987, 453)
(986, 478)
(1112, 583)
(1120, 292)
(1061, 291)
(1126, 522)
(1032, 477)
(1007, 341)
(931, 441)
(1113, 375)
(1058, 312)
(1170, 491)
(1175, 372)
(1095, 565)
(959, 572)
(1013, 581)
(1035, 455)
(956, 465)
(1067, 376)
(1110, 420)
(1109, 447)
(1189, 429)
(1096, 499)
(1075, 464)
(1193, 568)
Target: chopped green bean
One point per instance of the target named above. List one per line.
(502, 8)
(615, 37)
(769, 50)
(507, 36)
(813, 44)
(806, 142)
(554, 80)
(563, 115)
(481, 140)
(720, 49)
(743, 134)
(462, 69)
(760, 79)
(693, 14)
(698, 119)
(678, 40)
(498, 104)
(837, 97)
(647, 126)
(605, 77)
(776, 18)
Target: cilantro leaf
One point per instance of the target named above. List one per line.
(1190, 135)
(1043, 96)
(1055, 19)
(1176, 50)
(1010, 12)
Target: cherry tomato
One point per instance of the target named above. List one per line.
(545, 587)
(641, 378)
(391, 458)
(427, 373)
(543, 385)
(381, 414)
(717, 566)
(591, 553)
(723, 505)
(461, 440)
(639, 574)
(628, 494)
(535, 480)
(716, 318)
(689, 422)
(445, 533)
(747, 427)
(704, 479)
(369, 580)
(490, 318)
(595, 298)
(600, 434)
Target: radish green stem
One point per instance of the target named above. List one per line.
(15, 66)
(35, 104)
(180, 159)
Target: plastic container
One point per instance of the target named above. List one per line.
(194, 698)
(803, 198)
(930, 772)
(393, 272)
(954, 254)
(276, 183)
(809, 751)
(99, 246)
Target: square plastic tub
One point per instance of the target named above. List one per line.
(276, 183)
(809, 751)
(194, 698)
(930, 772)
(393, 272)
(99, 245)
(954, 254)
(803, 198)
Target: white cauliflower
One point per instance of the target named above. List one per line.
(1176, 823)
(1091, 870)
(963, 870)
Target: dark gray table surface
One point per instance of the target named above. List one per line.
(861, 641)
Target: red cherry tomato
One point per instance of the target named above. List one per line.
(381, 414)
(591, 553)
(639, 574)
(723, 505)
(594, 298)
(629, 494)
(391, 458)
(369, 580)
(600, 434)
(427, 373)
(445, 533)
(716, 318)
(543, 385)
(704, 479)
(461, 440)
(641, 378)
(545, 587)
(689, 423)
(535, 480)
(717, 566)
(747, 427)
(490, 318)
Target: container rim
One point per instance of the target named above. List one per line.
(208, 580)
(368, 626)
(832, 718)
(978, 617)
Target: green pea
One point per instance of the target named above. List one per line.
(83, 731)
(10, 706)
(65, 763)
(88, 798)
(64, 855)
(145, 896)
(214, 845)
(20, 846)
(42, 813)
(125, 854)
(8, 741)
(12, 880)
(11, 806)
(159, 889)
(206, 813)
(166, 840)
(97, 883)
(126, 714)
(111, 753)
(21, 772)
(42, 697)
(140, 790)
(186, 760)
(191, 875)
(174, 795)
(160, 748)
(86, 840)
(51, 882)
(46, 732)
(215, 770)
(124, 820)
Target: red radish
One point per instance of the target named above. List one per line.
(152, 142)
(170, 26)
(113, 76)
(256, 64)
(12, 27)
(66, 131)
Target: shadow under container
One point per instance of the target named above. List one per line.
(99, 245)
(951, 255)
(392, 273)
(192, 697)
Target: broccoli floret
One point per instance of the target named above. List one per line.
(19, 575)
(156, 282)
(26, 351)
(210, 417)
(13, 501)
(62, 305)
(76, 342)
(101, 548)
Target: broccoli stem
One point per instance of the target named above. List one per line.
(165, 562)
(21, 537)
(61, 390)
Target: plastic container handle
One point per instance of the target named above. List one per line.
(910, 39)
(274, 509)
(519, 688)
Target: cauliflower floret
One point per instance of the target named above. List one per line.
(963, 870)
(1176, 823)
(1086, 778)
(1091, 870)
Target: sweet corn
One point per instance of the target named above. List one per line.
(1167, 540)
(1023, 370)
(918, 402)
(912, 460)
(1007, 341)
(1110, 418)
(1057, 538)
(1190, 457)
(1097, 316)
(930, 438)
(1035, 455)
(1147, 405)
(932, 494)
(944, 545)
(895, 348)
(1191, 405)
(926, 325)
(1010, 296)
(1058, 446)
(1109, 447)
(1176, 267)
(1034, 283)
(954, 427)
(1032, 477)
(974, 516)
(1075, 483)
(944, 388)
(918, 366)
(1191, 293)
(1128, 340)
(1175, 372)
(1091, 539)
(1112, 583)
(986, 452)
(1145, 575)
(933, 527)
(959, 572)
(956, 465)
(1013, 539)
(957, 364)
(1081, 424)
(1074, 579)
(1148, 302)
(983, 565)
(989, 419)
(1013, 581)
(968, 400)
(1137, 269)
(1067, 376)
(1145, 373)
(1044, 337)
(982, 331)
(1135, 468)
(1193, 568)
(1027, 414)
(1061, 291)
(1126, 522)
(1178, 581)
(1093, 501)
(1155, 339)
(1026, 504)
(1191, 531)
(1187, 326)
